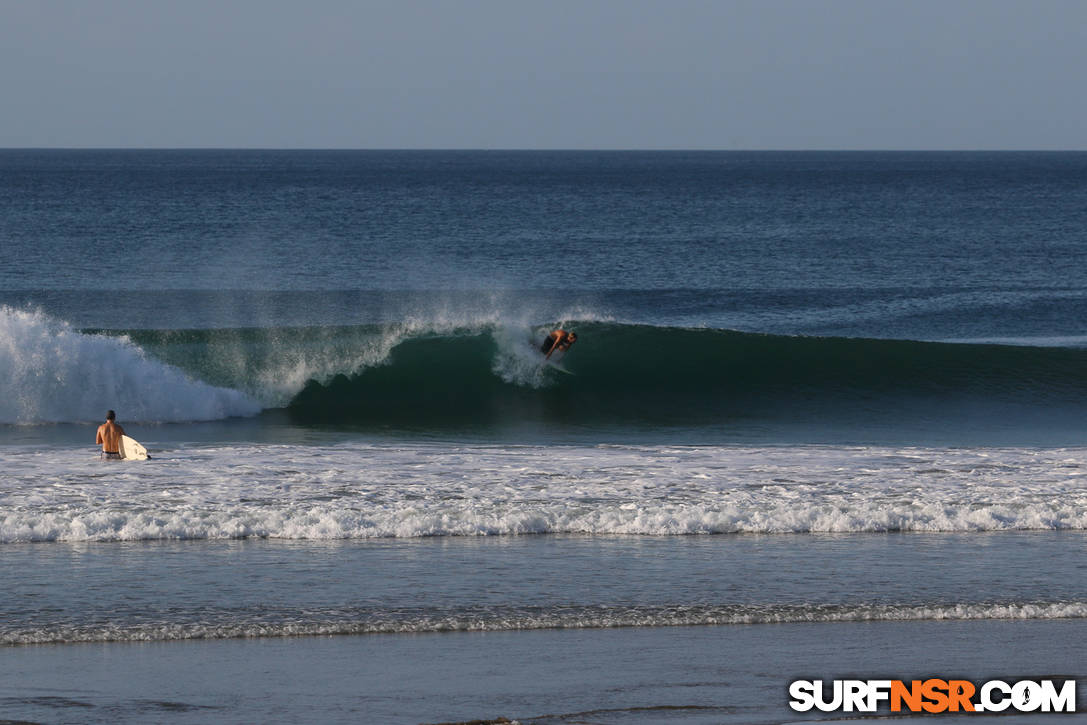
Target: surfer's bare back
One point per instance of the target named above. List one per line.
(558, 340)
(109, 435)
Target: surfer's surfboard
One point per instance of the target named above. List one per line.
(554, 365)
(553, 361)
(131, 450)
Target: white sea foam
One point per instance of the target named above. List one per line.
(53, 373)
(359, 490)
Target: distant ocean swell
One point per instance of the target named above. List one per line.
(268, 622)
(430, 372)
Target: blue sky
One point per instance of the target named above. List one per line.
(675, 74)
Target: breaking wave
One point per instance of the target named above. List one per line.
(56, 374)
(433, 372)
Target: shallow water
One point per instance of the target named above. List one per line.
(690, 675)
(148, 591)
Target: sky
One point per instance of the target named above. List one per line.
(554, 74)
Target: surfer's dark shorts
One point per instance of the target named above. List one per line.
(111, 456)
(546, 347)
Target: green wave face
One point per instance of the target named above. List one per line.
(622, 374)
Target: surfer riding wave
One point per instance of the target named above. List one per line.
(560, 340)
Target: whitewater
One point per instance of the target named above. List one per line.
(418, 489)
(57, 374)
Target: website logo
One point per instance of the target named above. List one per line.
(933, 695)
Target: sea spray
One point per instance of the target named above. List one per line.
(53, 373)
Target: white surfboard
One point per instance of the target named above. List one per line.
(554, 365)
(131, 450)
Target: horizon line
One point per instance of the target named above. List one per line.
(452, 149)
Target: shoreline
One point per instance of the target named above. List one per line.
(728, 674)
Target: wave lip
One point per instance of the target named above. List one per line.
(57, 374)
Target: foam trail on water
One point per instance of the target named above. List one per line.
(54, 373)
(318, 621)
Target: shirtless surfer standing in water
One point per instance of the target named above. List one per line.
(560, 340)
(109, 435)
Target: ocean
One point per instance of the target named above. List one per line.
(825, 418)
